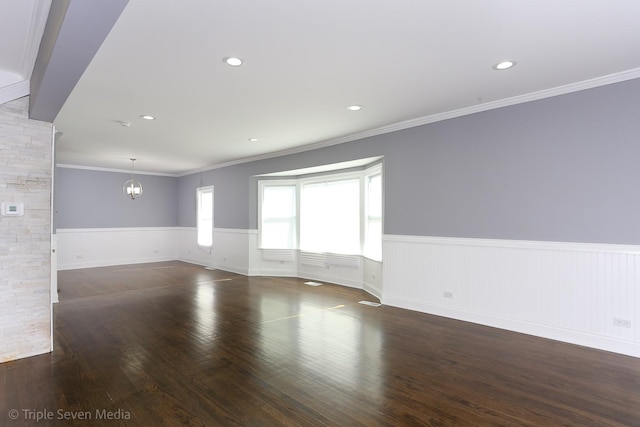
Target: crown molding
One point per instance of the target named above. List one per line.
(14, 91)
(515, 100)
(39, 16)
(127, 171)
(520, 99)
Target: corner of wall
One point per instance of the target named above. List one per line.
(25, 272)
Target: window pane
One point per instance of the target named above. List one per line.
(374, 200)
(330, 217)
(204, 216)
(279, 202)
(206, 205)
(373, 226)
(277, 235)
(373, 245)
(278, 228)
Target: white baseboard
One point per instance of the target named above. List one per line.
(113, 262)
(373, 290)
(330, 279)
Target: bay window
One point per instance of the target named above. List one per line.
(338, 213)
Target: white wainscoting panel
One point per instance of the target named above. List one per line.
(306, 265)
(287, 255)
(571, 292)
(312, 259)
(327, 272)
(98, 247)
(188, 249)
(373, 277)
(267, 263)
(230, 250)
(354, 261)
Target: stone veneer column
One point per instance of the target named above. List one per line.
(25, 241)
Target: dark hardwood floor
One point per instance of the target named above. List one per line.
(174, 344)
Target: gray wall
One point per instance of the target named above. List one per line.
(565, 168)
(230, 193)
(94, 199)
(562, 169)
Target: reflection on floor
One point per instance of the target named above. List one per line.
(176, 344)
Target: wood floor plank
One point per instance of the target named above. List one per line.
(175, 344)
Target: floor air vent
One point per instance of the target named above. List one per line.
(372, 304)
(312, 283)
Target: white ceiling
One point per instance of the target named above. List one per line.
(406, 61)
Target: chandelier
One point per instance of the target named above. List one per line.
(132, 188)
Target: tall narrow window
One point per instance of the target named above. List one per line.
(373, 217)
(204, 216)
(278, 217)
(330, 216)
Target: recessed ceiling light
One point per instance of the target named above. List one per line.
(354, 107)
(253, 139)
(233, 61)
(148, 117)
(504, 65)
